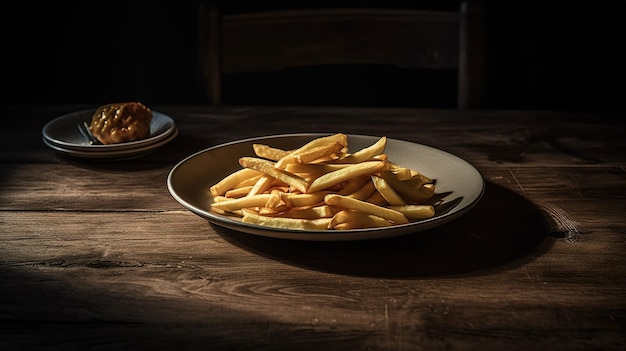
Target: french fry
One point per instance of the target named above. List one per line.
(285, 223)
(274, 200)
(321, 186)
(362, 206)
(415, 212)
(316, 153)
(314, 168)
(366, 153)
(339, 137)
(249, 182)
(219, 211)
(355, 170)
(238, 192)
(406, 174)
(401, 173)
(323, 211)
(302, 200)
(219, 198)
(381, 157)
(348, 219)
(418, 193)
(268, 168)
(277, 210)
(364, 192)
(231, 180)
(387, 192)
(268, 152)
(427, 190)
(354, 185)
(262, 184)
(231, 205)
(377, 199)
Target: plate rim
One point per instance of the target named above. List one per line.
(114, 154)
(322, 235)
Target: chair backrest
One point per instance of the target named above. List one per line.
(279, 39)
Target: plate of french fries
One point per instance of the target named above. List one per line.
(326, 187)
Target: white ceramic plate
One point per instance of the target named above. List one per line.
(123, 154)
(63, 133)
(459, 186)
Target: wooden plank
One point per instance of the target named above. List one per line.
(169, 277)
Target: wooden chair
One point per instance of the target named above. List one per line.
(278, 39)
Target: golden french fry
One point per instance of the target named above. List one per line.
(366, 153)
(387, 192)
(348, 219)
(268, 152)
(313, 168)
(248, 182)
(354, 184)
(359, 205)
(355, 170)
(339, 137)
(302, 200)
(401, 173)
(268, 168)
(427, 190)
(323, 211)
(219, 211)
(365, 192)
(273, 211)
(343, 216)
(377, 199)
(308, 176)
(409, 192)
(231, 180)
(262, 184)
(381, 157)
(219, 198)
(316, 153)
(230, 205)
(412, 176)
(238, 192)
(285, 223)
(281, 188)
(415, 212)
(275, 200)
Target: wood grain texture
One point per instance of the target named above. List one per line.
(98, 255)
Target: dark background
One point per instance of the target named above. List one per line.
(540, 55)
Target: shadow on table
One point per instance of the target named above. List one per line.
(503, 229)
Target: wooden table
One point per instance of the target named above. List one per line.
(98, 255)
